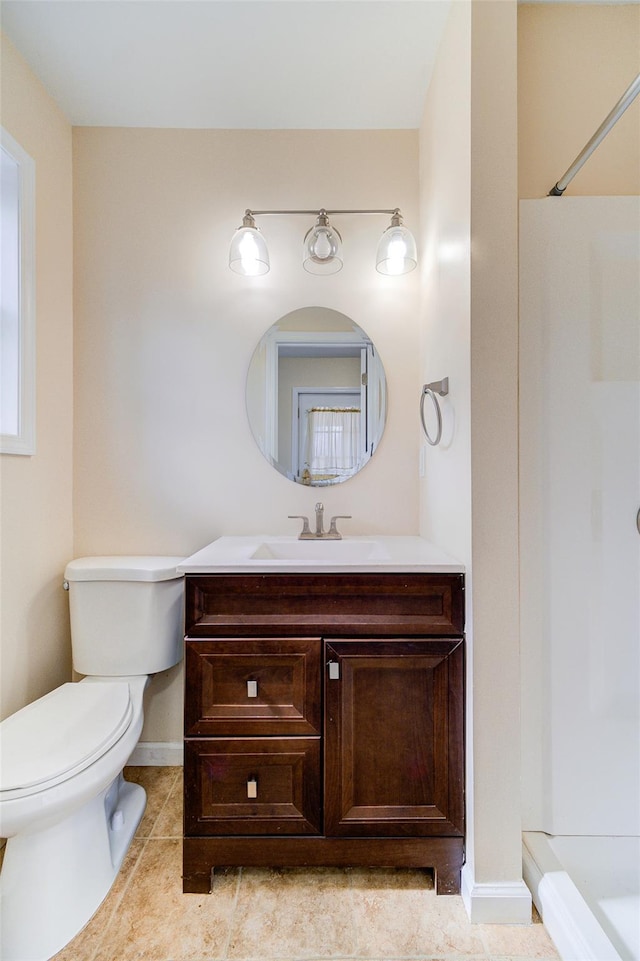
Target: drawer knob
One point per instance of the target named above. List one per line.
(252, 688)
(252, 788)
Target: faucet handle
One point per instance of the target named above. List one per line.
(333, 530)
(305, 523)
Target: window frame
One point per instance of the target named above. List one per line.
(24, 442)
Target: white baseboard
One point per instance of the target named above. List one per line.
(157, 754)
(502, 902)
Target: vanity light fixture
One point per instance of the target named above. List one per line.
(397, 248)
(322, 246)
(248, 254)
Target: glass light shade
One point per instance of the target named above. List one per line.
(322, 250)
(248, 254)
(397, 252)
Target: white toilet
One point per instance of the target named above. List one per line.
(65, 808)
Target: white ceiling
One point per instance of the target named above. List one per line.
(255, 64)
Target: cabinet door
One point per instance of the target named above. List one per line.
(394, 738)
(253, 686)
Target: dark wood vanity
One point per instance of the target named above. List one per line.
(324, 722)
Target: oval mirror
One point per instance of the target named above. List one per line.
(316, 397)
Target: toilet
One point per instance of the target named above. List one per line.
(65, 808)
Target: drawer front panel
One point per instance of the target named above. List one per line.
(267, 786)
(271, 605)
(253, 687)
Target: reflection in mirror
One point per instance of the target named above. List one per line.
(316, 396)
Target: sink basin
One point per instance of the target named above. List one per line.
(348, 551)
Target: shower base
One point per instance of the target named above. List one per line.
(587, 890)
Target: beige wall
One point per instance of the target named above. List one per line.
(445, 314)
(35, 514)
(469, 495)
(574, 64)
(445, 261)
(494, 446)
(164, 333)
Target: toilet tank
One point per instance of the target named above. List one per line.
(126, 614)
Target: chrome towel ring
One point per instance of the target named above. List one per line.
(440, 387)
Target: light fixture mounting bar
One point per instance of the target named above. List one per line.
(311, 213)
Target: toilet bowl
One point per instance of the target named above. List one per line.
(65, 807)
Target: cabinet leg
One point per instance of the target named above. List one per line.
(447, 880)
(197, 883)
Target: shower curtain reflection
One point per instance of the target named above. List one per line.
(333, 443)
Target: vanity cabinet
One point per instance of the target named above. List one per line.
(324, 722)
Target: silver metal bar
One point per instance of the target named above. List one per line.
(314, 213)
(625, 100)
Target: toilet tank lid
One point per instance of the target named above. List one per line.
(123, 568)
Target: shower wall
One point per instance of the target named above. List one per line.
(580, 494)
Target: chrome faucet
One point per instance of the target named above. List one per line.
(306, 534)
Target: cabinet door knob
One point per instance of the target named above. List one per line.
(334, 670)
(252, 788)
(252, 688)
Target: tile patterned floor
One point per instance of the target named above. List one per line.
(279, 915)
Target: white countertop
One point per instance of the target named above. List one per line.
(269, 554)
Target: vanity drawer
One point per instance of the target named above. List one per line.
(277, 605)
(253, 686)
(261, 786)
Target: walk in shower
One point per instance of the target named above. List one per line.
(580, 569)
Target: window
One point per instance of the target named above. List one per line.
(17, 298)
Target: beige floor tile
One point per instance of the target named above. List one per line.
(276, 915)
(398, 914)
(87, 941)
(522, 941)
(157, 782)
(157, 922)
(169, 821)
(292, 913)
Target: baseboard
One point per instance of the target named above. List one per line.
(502, 902)
(157, 754)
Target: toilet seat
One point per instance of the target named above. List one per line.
(62, 733)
